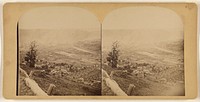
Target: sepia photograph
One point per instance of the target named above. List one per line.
(59, 52)
(100, 51)
(142, 51)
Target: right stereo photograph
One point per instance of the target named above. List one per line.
(143, 52)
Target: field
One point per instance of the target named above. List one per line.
(74, 70)
(154, 71)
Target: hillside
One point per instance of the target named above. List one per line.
(74, 70)
(154, 70)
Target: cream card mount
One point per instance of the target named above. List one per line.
(100, 50)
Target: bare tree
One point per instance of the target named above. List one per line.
(31, 55)
(113, 55)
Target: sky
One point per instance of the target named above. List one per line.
(146, 17)
(129, 25)
(58, 18)
(142, 26)
(58, 25)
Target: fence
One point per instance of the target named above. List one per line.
(34, 86)
(112, 84)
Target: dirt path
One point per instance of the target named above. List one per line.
(83, 50)
(165, 50)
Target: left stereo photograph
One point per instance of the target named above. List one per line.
(59, 47)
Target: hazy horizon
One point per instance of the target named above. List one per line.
(54, 37)
(141, 27)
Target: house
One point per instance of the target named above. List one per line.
(80, 80)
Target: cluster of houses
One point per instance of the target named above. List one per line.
(140, 70)
(61, 69)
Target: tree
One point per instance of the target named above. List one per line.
(113, 55)
(31, 55)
